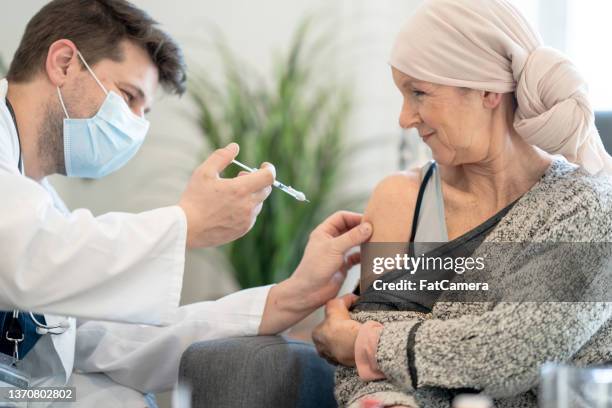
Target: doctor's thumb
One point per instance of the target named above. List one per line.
(220, 159)
(356, 236)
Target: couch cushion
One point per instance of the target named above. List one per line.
(263, 371)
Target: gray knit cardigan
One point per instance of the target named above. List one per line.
(498, 347)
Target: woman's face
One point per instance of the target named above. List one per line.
(454, 122)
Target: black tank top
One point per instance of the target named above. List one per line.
(423, 301)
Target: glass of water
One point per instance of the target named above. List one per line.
(563, 386)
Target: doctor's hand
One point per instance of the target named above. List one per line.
(325, 263)
(319, 275)
(220, 210)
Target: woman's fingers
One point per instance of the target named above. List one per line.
(318, 338)
(339, 307)
(323, 343)
(371, 403)
(354, 258)
(335, 337)
(349, 299)
(327, 357)
(349, 262)
(374, 403)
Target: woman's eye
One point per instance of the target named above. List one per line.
(417, 93)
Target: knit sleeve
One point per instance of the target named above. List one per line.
(500, 351)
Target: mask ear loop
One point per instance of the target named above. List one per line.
(91, 72)
(59, 93)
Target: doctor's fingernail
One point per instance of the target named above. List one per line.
(365, 228)
(233, 147)
(270, 167)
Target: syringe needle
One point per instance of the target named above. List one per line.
(298, 195)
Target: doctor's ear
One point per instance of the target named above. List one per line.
(491, 100)
(61, 59)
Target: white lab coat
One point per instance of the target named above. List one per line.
(125, 268)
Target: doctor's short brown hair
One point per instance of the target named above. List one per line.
(97, 27)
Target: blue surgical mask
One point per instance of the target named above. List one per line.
(97, 146)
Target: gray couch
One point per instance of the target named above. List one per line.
(265, 371)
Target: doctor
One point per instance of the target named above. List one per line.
(73, 103)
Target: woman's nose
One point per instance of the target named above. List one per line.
(409, 117)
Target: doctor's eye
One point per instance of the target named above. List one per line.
(127, 96)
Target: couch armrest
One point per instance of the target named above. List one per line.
(262, 371)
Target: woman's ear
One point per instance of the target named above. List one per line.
(61, 57)
(491, 100)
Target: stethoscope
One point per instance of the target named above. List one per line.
(41, 328)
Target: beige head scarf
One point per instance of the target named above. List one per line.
(488, 45)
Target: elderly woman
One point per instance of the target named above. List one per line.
(517, 159)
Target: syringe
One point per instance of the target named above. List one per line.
(298, 195)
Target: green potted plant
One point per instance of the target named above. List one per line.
(295, 121)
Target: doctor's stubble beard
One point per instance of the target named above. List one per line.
(51, 140)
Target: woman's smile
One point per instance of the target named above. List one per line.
(427, 136)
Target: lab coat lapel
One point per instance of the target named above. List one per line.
(64, 343)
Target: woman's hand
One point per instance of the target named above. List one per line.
(319, 275)
(335, 337)
(374, 403)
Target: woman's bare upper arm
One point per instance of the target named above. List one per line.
(391, 207)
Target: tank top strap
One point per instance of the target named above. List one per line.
(428, 222)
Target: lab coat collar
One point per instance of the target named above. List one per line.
(8, 119)
(3, 89)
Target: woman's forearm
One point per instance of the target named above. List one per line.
(498, 352)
